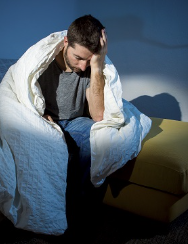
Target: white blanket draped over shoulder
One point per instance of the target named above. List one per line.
(33, 151)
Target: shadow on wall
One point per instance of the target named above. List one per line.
(133, 30)
(160, 106)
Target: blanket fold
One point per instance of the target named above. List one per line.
(33, 151)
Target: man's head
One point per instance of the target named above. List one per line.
(85, 31)
(81, 42)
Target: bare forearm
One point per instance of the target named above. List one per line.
(96, 91)
(96, 95)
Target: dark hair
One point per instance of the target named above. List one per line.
(85, 31)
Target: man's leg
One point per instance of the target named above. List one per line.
(82, 196)
(79, 130)
(77, 134)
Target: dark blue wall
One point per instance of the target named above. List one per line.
(148, 43)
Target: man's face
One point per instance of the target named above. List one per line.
(77, 58)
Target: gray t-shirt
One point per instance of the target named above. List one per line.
(64, 92)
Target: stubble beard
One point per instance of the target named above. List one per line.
(67, 61)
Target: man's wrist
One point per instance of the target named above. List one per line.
(97, 70)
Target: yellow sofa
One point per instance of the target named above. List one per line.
(155, 183)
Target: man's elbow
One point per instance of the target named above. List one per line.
(97, 117)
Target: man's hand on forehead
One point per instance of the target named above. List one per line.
(97, 59)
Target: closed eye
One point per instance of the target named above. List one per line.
(78, 58)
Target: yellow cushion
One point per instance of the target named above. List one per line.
(147, 202)
(163, 161)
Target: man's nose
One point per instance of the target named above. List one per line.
(83, 65)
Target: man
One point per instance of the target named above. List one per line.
(73, 88)
(61, 78)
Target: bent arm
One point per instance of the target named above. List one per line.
(95, 93)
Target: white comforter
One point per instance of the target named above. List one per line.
(33, 151)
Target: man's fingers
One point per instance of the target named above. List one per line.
(103, 39)
(48, 117)
(104, 35)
